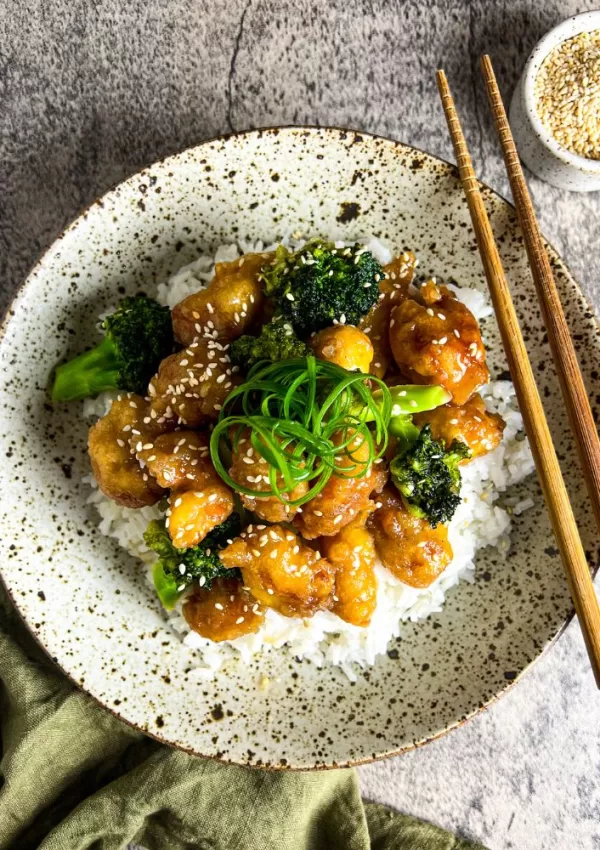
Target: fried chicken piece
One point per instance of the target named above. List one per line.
(281, 571)
(407, 545)
(114, 463)
(191, 385)
(180, 460)
(193, 513)
(352, 553)
(439, 342)
(344, 345)
(393, 289)
(225, 612)
(250, 470)
(472, 423)
(344, 495)
(230, 304)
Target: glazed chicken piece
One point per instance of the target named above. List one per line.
(230, 304)
(281, 571)
(439, 342)
(192, 514)
(393, 289)
(180, 460)
(344, 345)
(352, 553)
(199, 500)
(114, 463)
(225, 612)
(192, 384)
(472, 423)
(250, 470)
(343, 497)
(408, 546)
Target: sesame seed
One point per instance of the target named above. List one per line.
(567, 94)
(239, 620)
(218, 606)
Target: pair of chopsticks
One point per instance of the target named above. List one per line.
(563, 353)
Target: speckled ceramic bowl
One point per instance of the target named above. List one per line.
(86, 600)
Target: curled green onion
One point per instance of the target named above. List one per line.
(309, 419)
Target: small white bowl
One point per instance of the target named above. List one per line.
(537, 147)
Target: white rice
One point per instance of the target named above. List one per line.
(325, 638)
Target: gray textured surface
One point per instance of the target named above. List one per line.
(90, 91)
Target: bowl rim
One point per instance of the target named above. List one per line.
(36, 268)
(567, 29)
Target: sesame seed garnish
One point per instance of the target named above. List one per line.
(567, 94)
(218, 606)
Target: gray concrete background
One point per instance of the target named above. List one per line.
(91, 91)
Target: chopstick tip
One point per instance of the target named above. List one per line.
(486, 63)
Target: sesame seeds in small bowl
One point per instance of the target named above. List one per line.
(555, 110)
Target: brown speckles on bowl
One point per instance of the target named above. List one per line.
(87, 601)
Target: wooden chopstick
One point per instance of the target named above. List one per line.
(561, 345)
(548, 469)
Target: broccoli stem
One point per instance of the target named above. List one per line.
(415, 399)
(165, 586)
(91, 373)
(407, 400)
(405, 430)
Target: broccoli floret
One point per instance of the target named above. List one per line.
(137, 336)
(200, 563)
(320, 283)
(277, 341)
(428, 477)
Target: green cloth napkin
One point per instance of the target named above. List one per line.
(75, 777)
